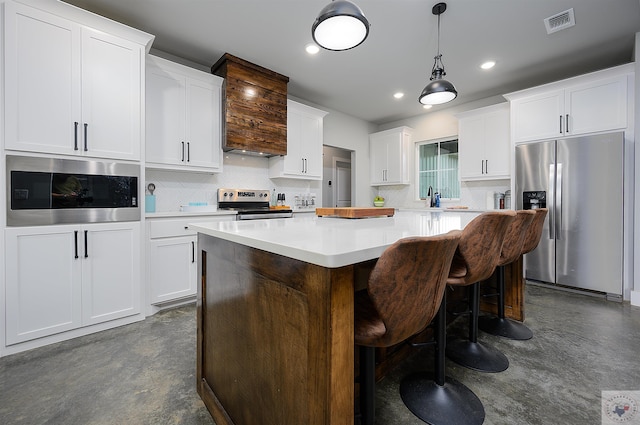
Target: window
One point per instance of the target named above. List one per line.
(438, 167)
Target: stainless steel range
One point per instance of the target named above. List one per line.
(250, 204)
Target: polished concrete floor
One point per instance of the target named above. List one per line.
(145, 373)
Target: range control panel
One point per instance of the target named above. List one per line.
(243, 195)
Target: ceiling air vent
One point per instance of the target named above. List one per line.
(560, 21)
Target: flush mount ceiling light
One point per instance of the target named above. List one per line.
(341, 25)
(438, 91)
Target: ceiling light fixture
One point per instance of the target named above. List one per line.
(312, 49)
(488, 65)
(341, 25)
(438, 91)
(398, 95)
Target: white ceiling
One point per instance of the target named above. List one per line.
(398, 54)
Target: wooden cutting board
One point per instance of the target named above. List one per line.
(355, 212)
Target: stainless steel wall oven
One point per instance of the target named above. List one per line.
(43, 191)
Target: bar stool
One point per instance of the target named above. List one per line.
(534, 233)
(475, 260)
(511, 250)
(404, 292)
(440, 399)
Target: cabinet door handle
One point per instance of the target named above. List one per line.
(182, 158)
(85, 136)
(193, 252)
(75, 237)
(561, 124)
(302, 164)
(188, 152)
(486, 166)
(86, 250)
(75, 135)
(306, 168)
(566, 123)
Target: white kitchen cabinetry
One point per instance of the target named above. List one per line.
(172, 258)
(483, 143)
(70, 89)
(389, 156)
(304, 144)
(586, 104)
(60, 278)
(183, 117)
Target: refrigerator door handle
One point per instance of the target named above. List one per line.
(551, 197)
(558, 201)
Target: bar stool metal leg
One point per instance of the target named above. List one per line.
(367, 385)
(469, 352)
(500, 325)
(441, 400)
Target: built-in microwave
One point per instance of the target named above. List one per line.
(44, 191)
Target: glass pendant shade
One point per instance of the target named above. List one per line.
(341, 25)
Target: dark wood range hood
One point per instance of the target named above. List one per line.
(254, 107)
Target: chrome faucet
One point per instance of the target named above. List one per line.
(432, 198)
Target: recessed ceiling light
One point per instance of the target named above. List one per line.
(398, 95)
(427, 106)
(312, 49)
(488, 65)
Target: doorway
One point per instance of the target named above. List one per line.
(342, 185)
(337, 177)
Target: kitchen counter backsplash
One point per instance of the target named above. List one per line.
(473, 194)
(175, 188)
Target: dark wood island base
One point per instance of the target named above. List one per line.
(275, 340)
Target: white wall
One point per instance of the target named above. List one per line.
(635, 293)
(347, 132)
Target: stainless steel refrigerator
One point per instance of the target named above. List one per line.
(580, 181)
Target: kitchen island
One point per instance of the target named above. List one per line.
(275, 312)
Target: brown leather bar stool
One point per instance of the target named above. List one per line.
(511, 250)
(404, 292)
(475, 260)
(534, 233)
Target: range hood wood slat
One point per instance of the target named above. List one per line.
(257, 122)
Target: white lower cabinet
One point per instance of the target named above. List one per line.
(60, 278)
(172, 262)
(173, 268)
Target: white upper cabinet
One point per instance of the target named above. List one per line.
(586, 104)
(69, 89)
(483, 143)
(183, 117)
(389, 156)
(304, 144)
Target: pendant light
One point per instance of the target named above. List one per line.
(341, 25)
(438, 91)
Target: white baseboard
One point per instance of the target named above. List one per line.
(635, 298)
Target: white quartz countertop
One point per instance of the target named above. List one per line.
(335, 242)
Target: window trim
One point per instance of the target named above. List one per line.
(416, 176)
